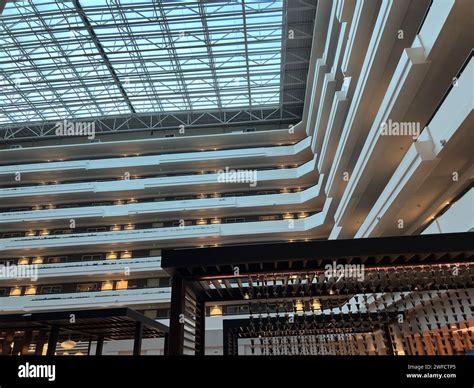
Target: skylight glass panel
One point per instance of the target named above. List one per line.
(107, 57)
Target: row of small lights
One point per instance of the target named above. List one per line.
(299, 306)
(201, 221)
(133, 200)
(108, 256)
(201, 172)
(286, 216)
(108, 285)
(434, 217)
(174, 139)
(31, 290)
(46, 232)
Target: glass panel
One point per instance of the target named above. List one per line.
(149, 56)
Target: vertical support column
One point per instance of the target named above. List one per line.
(387, 336)
(166, 345)
(26, 342)
(137, 340)
(229, 340)
(100, 346)
(176, 333)
(89, 346)
(6, 344)
(225, 338)
(17, 345)
(234, 348)
(40, 341)
(3, 347)
(52, 340)
(200, 327)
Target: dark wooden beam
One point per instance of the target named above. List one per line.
(315, 252)
(200, 327)
(40, 341)
(100, 346)
(137, 341)
(176, 331)
(26, 342)
(52, 340)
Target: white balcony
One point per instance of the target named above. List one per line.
(324, 25)
(181, 143)
(436, 167)
(408, 101)
(332, 81)
(357, 42)
(306, 200)
(99, 299)
(92, 270)
(174, 185)
(457, 219)
(313, 226)
(367, 93)
(157, 164)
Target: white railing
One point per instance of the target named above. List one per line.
(97, 299)
(186, 236)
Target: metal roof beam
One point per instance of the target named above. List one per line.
(102, 53)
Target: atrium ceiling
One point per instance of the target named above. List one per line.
(152, 64)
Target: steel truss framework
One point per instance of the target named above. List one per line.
(165, 121)
(152, 64)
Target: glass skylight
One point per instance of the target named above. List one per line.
(94, 58)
